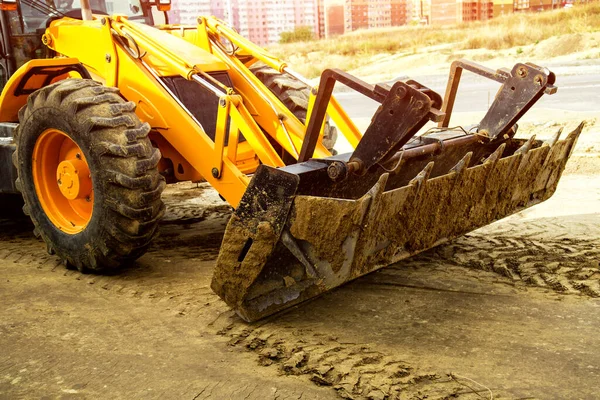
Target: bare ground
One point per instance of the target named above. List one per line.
(509, 311)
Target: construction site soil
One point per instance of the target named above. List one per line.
(508, 311)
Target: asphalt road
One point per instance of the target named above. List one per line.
(578, 90)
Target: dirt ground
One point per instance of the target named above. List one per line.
(510, 311)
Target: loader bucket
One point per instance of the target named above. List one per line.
(301, 230)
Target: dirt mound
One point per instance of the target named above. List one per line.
(561, 45)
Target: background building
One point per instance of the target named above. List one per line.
(186, 11)
(419, 11)
(333, 12)
(365, 14)
(502, 7)
(443, 12)
(474, 10)
(263, 21)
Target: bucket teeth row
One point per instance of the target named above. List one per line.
(327, 241)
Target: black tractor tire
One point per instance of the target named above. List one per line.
(294, 94)
(126, 183)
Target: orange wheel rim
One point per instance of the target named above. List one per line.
(62, 180)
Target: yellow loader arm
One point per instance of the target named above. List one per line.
(137, 58)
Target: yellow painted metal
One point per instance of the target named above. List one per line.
(136, 58)
(219, 27)
(155, 104)
(220, 131)
(254, 136)
(74, 38)
(234, 139)
(202, 39)
(10, 102)
(179, 55)
(111, 66)
(343, 122)
(267, 109)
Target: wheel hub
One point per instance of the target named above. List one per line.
(62, 180)
(73, 178)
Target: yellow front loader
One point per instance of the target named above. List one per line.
(98, 112)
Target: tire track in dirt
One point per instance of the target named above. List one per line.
(534, 252)
(554, 253)
(191, 234)
(193, 224)
(559, 254)
(352, 370)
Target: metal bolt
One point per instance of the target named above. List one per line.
(215, 173)
(107, 57)
(401, 92)
(199, 20)
(539, 80)
(522, 72)
(222, 102)
(419, 105)
(59, 182)
(78, 156)
(337, 171)
(313, 91)
(88, 199)
(103, 21)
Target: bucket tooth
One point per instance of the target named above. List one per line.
(526, 146)
(574, 135)
(554, 138)
(555, 161)
(422, 177)
(462, 164)
(496, 155)
(379, 186)
(576, 132)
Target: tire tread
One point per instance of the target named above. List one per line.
(131, 183)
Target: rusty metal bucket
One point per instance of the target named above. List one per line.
(300, 230)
